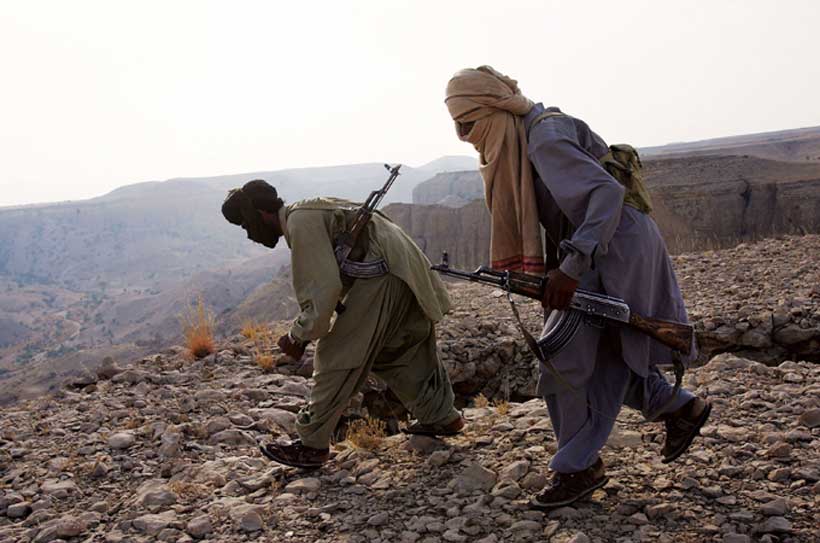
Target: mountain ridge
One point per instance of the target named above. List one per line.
(118, 269)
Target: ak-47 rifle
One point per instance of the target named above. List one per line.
(584, 305)
(343, 244)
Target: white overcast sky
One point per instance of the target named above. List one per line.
(98, 94)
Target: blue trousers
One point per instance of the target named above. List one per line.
(583, 420)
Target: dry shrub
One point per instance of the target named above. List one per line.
(72, 463)
(85, 469)
(481, 401)
(502, 407)
(198, 328)
(133, 422)
(189, 491)
(367, 433)
(264, 348)
(42, 427)
(266, 361)
(251, 329)
(198, 430)
(276, 485)
(264, 343)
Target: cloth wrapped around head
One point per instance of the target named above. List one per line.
(487, 108)
(241, 208)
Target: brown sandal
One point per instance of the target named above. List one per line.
(433, 430)
(296, 455)
(682, 428)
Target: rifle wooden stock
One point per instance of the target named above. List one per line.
(676, 335)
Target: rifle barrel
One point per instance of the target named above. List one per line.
(473, 277)
(376, 196)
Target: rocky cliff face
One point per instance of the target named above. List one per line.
(700, 202)
(449, 188)
(464, 232)
(722, 200)
(797, 145)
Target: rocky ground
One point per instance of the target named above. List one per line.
(759, 299)
(166, 449)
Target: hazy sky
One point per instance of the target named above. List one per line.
(99, 94)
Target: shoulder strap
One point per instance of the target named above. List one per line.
(545, 115)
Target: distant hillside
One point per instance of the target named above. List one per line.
(143, 239)
(270, 301)
(118, 269)
(450, 164)
(451, 189)
(798, 145)
(700, 202)
(148, 233)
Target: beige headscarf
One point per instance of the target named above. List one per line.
(494, 103)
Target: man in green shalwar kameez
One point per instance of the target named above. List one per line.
(387, 326)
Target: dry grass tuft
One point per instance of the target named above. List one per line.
(367, 433)
(266, 361)
(198, 328)
(502, 407)
(198, 430)
(481, 401)
(72, 463)
(265, 350)
(133, 422)
(189, 491)
(251, 329)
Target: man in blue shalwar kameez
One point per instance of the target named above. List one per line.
(540, 166)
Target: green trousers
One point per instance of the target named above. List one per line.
(383, 330)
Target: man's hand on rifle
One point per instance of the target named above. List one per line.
(559, 290)
(292, 346)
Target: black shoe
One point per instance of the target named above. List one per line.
(683, 426)
(296, 455)
(567, 488)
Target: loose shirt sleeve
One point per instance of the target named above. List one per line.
(316, 280)
(584, 191)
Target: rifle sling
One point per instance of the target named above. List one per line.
(679, 371)
(353, 268)
(533, 345)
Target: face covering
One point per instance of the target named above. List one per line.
(253, 224)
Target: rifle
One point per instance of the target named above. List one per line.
(344, 242)
(591, 306)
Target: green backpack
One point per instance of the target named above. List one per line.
(623, 163)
